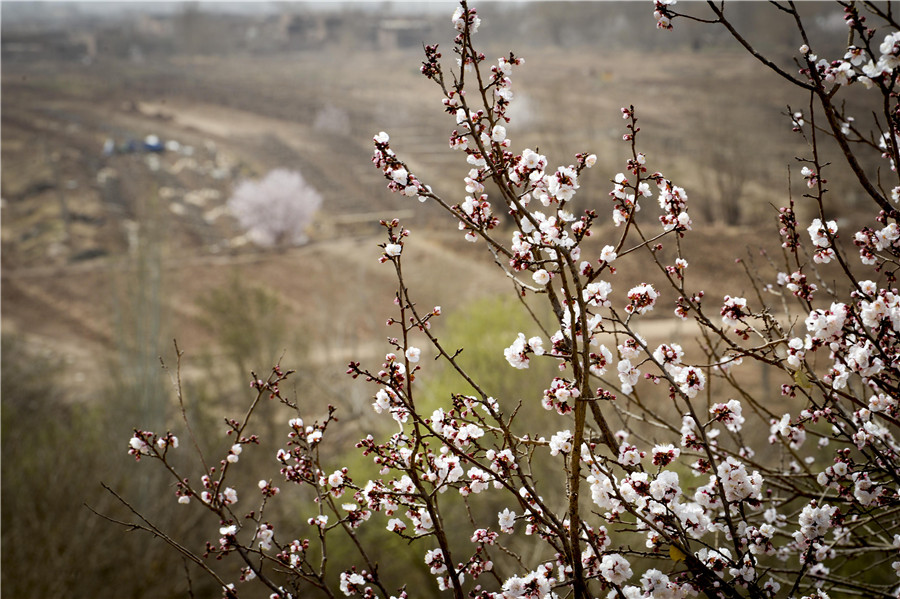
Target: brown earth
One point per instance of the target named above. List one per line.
(78, 224)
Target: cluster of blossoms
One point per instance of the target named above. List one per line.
(821, 235)
(148, 443)
(466, 20)
(873, 243)
(860, 64)
(662, 13)
(730, 414)
(642, 299)
(673, 201)
(733, 310)
(517, 353)
(400, 180)
(561, 395)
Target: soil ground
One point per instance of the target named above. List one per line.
(84, 233)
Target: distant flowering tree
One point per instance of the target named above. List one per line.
(718, 490)
(276, 210)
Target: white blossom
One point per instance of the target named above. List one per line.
(541, 277)
(561, 442)
(507, 520)
(615, 569)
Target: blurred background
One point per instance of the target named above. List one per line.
(139, 141)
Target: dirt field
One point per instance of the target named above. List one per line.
(80, 227)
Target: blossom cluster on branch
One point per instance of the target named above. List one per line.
(722, 492)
